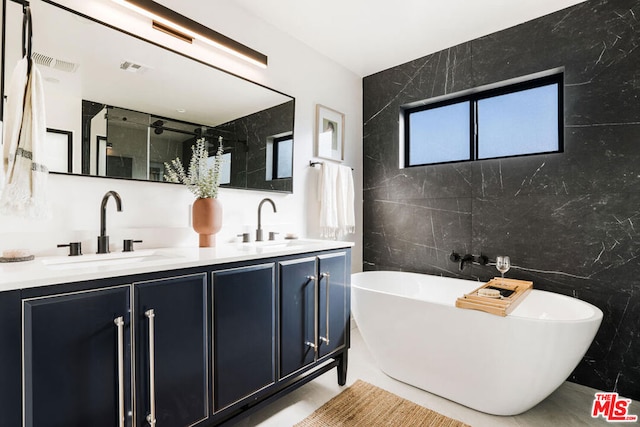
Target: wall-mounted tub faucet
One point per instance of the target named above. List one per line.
(103, 239)
(259, 237)
(468, 259)
(465, 259)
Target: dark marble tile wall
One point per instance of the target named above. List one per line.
(569, 221)
(247, 137)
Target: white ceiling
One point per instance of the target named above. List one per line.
(367, 36)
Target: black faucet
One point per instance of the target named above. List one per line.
(468, 259)
(103, 239)
(259, 230)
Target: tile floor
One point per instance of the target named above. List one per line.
(568, 406)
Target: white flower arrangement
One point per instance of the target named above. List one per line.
(202, 179)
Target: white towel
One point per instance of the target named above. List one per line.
(1, 157)
(336, 197)
(13, 116)
(346, 201)
(24, 192)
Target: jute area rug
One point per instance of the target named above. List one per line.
(365, 405)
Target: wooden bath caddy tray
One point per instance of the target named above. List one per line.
(512, 292)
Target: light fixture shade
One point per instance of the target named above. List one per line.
(180, 26)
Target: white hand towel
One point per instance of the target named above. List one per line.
(13, 112)
(1, 158)
(346, 200)
(327, 196)
(336, 197)
(24, 192)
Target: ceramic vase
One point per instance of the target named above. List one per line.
(207, 220)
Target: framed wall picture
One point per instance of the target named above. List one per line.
(59, 150)
(329, 133)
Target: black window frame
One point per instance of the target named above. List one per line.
(276, 156)
(473, 97)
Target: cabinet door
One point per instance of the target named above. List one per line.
(297, 314)
(243, 332)
(334, 312)
(10, 359)
(74, 373)
(171, 350)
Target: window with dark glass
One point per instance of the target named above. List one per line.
(282, 157)
(512, 120)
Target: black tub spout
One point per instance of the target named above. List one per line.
(467, 259)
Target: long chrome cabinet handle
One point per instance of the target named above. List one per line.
(326, 338)
(316, 308)
(119, 322)
(151, 417)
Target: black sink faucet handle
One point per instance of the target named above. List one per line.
(75, 248)
(127, 244)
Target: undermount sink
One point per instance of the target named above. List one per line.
(273, 244)
(112, 258)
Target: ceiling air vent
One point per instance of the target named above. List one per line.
(57, 64)
(67, 66)
(41, 59)
(132, 67)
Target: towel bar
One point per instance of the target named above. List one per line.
(313, 164)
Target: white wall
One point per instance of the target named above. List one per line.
(159, 213)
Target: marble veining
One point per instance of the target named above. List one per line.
(570, 220)
(247, 137)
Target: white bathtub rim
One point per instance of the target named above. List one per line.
(596, 315)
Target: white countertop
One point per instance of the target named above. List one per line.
(43, 271)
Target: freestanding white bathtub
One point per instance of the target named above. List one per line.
(498, 365)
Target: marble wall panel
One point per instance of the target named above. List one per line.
(416, 234)
(587, 236)
(247, 137)
(568, 220)
(596, 44)
(612, 359)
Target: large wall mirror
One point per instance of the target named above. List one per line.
(128, 106)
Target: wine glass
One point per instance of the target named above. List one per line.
(503, 264)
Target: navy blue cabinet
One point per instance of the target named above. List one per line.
(194, 347)
(244, 326)
(298, 314)
(334, 293)
(171, 337)
(10, 355)
(77, 359)
(314, 310)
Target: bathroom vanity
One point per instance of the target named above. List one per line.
(177, 337)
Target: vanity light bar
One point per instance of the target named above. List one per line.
(171, 31)
(180, 26)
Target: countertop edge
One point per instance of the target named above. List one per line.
(32, 274)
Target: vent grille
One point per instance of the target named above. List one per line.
(58, 64)
(41, 59)
(133, 67)
(67, 66)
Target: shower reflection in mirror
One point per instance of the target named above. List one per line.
(122, 143)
